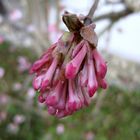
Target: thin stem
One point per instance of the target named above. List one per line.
(93, 8)
(114, 15)
(88, 18)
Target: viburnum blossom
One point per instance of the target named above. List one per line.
(70, 72)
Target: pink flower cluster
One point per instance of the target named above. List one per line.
(68, 75)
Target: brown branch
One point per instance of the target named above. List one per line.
(93, 8)
(88, 18)
(114, 15)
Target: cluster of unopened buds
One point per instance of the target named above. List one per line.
(69, 73)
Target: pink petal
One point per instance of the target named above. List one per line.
(77, 48)
(49, 74)
(100, 64)
(92, 81)
(67, 111)
(64, 43)
(47, 56)
(102, 83)
(51, 110)
(56, 77)
(39, 64)
(49, 50)
(87, 98)
(54, 96)
(41, 99)
(62, 101)
(37, 81)
(73, 99)
(73, 66)
(60, 114)
(80, 94)
(83, 75)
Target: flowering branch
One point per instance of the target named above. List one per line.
(70, 72)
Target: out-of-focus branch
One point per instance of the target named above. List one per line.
(106, 28)
(113, 2)
(114, 15)
(57, 13)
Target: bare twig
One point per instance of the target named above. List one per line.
(93, 8)
(114, 15)
(113, 2)
(88, 18)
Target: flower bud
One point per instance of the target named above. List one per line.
(83, 75)
(77, 48)
(43, 60)
(49, 74)
(56, 77)
(62, 101)
(100, 64)
(70, 71)
(87, 99)
(37, 81)
(73, 100)
(73, 66)
(41, 99)
(92, 80)
(51, 110)
(64, 43)
(54, 95)
(102, 83)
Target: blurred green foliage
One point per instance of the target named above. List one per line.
(116, 118)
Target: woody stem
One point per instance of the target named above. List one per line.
(88, 18)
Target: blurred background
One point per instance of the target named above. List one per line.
(27, 28)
